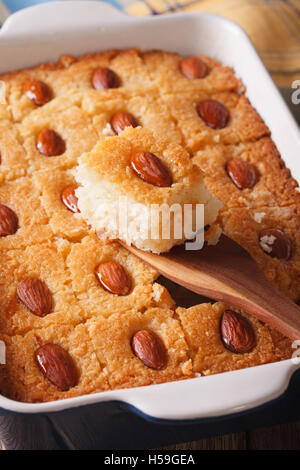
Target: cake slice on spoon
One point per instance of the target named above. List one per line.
(146, 192)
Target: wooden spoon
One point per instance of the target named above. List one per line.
(227, 273)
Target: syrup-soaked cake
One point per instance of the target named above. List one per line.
(126, 171)
(81, 315)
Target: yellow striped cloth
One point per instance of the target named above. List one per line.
(273, 26)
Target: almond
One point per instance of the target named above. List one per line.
(151, 169)
(104, 78)
(49, 143)
(193, 68)
(275, 243)
(70, 199)
(242, 173)
(8, 221)
(57, 366)
(237, 332)
(213, 113)
(35, 295)
(149, 348)
(120, 121)
(114, 278)
(38, 92)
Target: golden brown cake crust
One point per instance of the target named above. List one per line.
(53, 245)
(201, 325)
(110, 159)
(101, 349)
(274, 202)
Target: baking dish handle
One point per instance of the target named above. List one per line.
(55, 17)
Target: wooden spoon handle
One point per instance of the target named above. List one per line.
(227, 273)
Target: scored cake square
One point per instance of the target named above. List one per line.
(111, 116)
(249, 175)
(77, 72)
(21, 378)
(204, 119)
(146, 174)
(23, 219)
(128, 73)
(56, 140)
(124, 367)
(35, 288)
(95, 290)
(30, 90)
(56, 189)
(130, 68)
(173, 73)
(213, 351)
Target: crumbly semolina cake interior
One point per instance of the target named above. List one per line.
(87, 305)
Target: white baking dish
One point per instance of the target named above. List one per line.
(41, 34)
